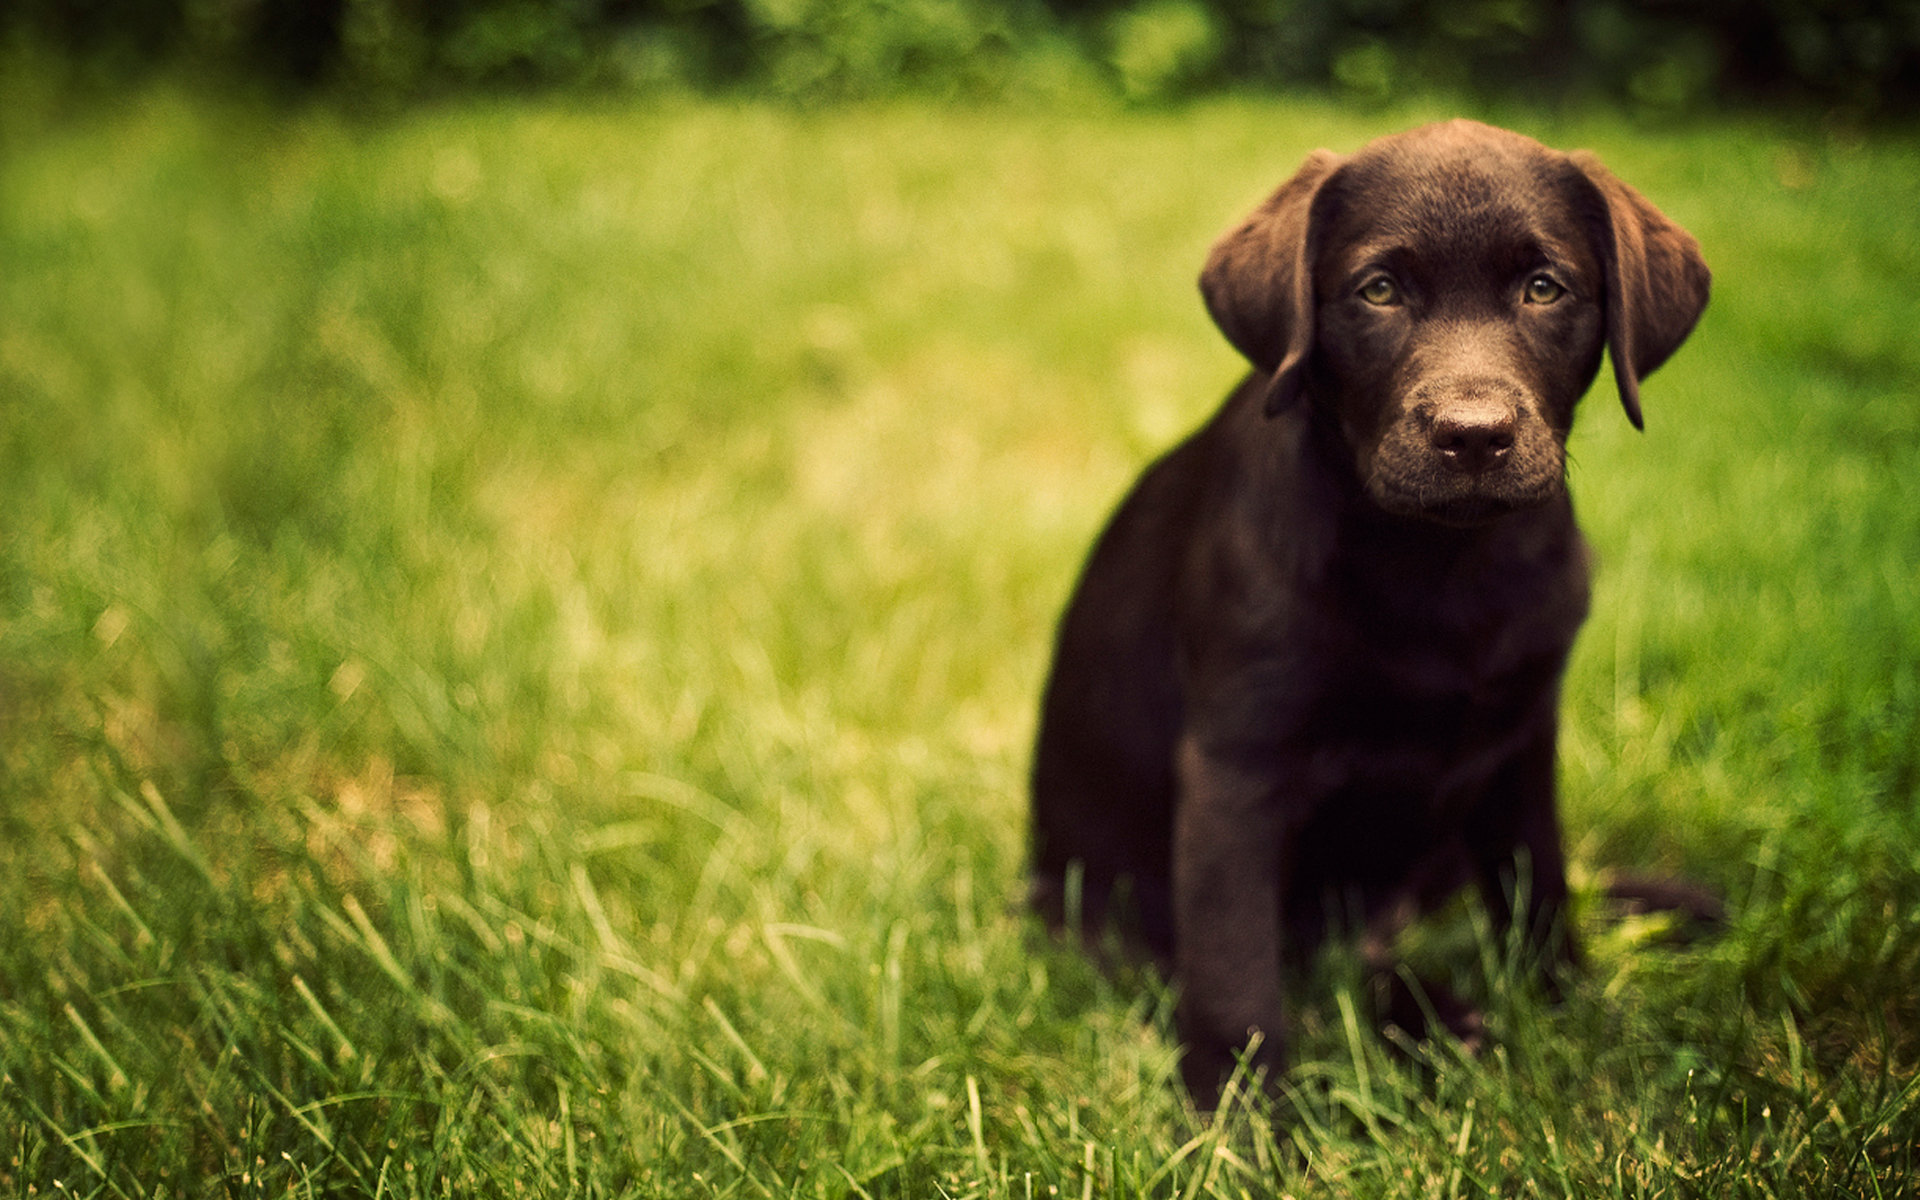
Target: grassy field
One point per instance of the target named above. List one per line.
(520, 627)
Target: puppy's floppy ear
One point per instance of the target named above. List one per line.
(1657, 282)
(1258, 281)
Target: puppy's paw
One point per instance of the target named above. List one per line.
(1409, 1011)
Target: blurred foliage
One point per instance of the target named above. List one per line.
(1860, 56)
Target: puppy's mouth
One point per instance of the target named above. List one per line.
(1465, 512)
(1451, 506)
(1428, 488)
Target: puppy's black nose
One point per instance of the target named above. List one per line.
(1473, 442)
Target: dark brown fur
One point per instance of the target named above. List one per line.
(1312, 667)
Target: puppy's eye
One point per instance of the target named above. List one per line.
(1380, 291)
(1541, 289)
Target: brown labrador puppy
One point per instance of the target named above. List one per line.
(1311, 671)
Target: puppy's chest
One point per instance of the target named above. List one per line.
(1362, 736)
(1386, 776)
(1423, 715)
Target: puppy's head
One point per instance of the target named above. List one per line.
(1441, 298)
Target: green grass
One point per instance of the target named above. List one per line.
(520, 628)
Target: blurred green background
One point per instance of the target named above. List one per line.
(1860, 55)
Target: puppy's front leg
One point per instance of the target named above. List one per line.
(1226, 896)
(1522, 866)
